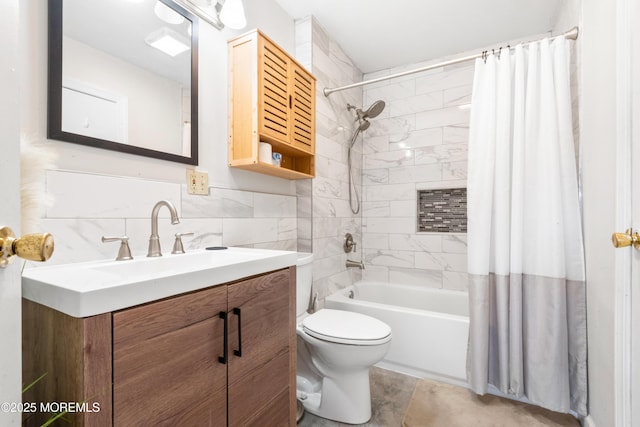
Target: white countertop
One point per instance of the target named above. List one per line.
(91, 288)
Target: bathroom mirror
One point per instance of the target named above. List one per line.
(123, 76)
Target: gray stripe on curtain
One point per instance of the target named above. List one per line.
(532, 342)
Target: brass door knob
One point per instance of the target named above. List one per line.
(34, 247)
(628, 238)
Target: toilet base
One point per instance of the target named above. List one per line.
(346, 399)
(299, 411)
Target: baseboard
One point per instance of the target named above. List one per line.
(588, 422)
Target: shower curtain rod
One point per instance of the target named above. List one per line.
(572, 34)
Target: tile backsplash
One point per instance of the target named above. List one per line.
(86, 207)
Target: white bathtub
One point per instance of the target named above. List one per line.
(430, 327)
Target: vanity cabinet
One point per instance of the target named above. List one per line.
(271, 99)
(224, 355)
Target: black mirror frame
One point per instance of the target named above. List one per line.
(54, 98)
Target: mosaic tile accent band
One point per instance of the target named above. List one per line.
(443, 210)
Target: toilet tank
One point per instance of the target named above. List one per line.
(304, 279)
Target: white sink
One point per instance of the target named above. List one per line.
(174, 264)
(91, 288)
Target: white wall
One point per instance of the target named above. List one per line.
(269, 17)
(568, 16)
(596, 103)
(598, 138)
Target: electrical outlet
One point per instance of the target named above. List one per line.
(197, 182)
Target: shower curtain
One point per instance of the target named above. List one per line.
(525, 253)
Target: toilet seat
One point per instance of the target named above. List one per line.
(346, 327)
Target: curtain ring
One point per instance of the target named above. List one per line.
(499, 52)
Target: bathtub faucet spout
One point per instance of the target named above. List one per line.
(358, 264)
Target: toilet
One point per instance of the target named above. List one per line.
(336, 348)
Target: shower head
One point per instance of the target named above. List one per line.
(374, 110)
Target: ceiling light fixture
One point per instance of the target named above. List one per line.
(232, 14)
(168, 41)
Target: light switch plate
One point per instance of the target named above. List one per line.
(197, 182)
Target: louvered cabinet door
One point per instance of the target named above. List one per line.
(303, 88)
(273, 95)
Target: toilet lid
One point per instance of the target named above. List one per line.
(346, 327)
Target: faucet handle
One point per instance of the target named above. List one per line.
(349, 244)
(124, 253)
(178, 248)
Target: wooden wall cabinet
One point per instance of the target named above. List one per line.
(271, 99)
(165, 362)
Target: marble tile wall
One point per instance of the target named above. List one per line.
(86, 207)
(324, 203)
(418, 142)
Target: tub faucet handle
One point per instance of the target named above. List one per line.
(349, 243)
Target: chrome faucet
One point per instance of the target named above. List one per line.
(154, 240)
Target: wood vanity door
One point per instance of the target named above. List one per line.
(259, 381)
(165, 362)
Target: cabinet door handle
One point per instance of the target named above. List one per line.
(238, 352)
(223, 359)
